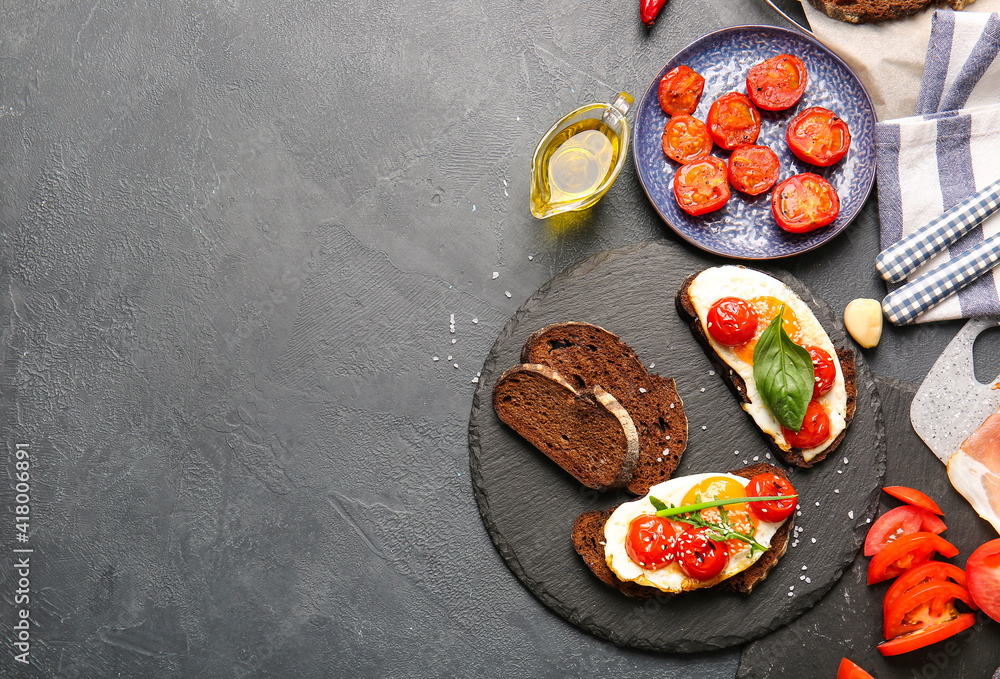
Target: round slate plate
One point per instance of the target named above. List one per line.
(745, 227)
(529, 504)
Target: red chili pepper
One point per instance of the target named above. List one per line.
(649, 10)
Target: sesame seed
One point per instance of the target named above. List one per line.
(642, 390)
(671, 406)
(659, 459)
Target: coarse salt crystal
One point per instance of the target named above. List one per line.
(702, 390)
(817, 504)
(453, 341)
(767, 455)
(850, 514)
(846, 460)
(642, 390)
(475, 380)
(837, 491)
(808, 580)
(435, 358)
(791, 594)
(840, 471)
(652, 365)
(530, 257)
(496, 275)
(449, 358)
(813, 540)
(756, 458)
(804, 567)
(456, 365)
(703, 427)
(507, 293)
(475, 320)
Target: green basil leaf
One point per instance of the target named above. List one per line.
(784, 374)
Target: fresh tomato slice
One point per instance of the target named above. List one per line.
(928, 636)
(898, 522)
(804, 202)
(932, 570)
(913, 497)
(922, 606)
(778, 83)
(680, 91)
(815, 427)
(733, 120)
(650, 541)
(698, 556)
(818, 136)
(983, 573)
(701, 186)
(849, 670)
(753, 169)
(906, 552)
(685, 138)
(732, 321)
(824, 370)
(767, 485)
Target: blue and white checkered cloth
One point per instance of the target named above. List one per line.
(929, 164)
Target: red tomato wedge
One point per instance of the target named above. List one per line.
(932, 570)
(922, 606)
(913, 497)
(928, 636)
(701, 186)
(753, 169)
(733, 120)
(680, 90)
(818, 136)
(849, 670)
(898, 522)
(804, 202)
(906, 552)
(777, 83)
(983, 573)
(685, 138)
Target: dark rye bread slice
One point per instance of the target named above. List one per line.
(872, 11)
(588, 355)
(588, 541)
(586, 432)
(739, 388)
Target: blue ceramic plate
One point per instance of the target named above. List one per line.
(745, 227)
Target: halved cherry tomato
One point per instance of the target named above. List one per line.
(815, 427)
(928, 636)
(983, 573)
(905, 553)
(698, 556)
(753, 169)
(732, 321)
(932, 570)
(701, 186)
(922, 606)
(913, 497)
(650, 541)
(898, 522)
(824, 370)
(685, 138)
(777, 83)
(680, 90)
(818, 136)
(768, 485)
(733, 120)
(805, 202)
(849, 670)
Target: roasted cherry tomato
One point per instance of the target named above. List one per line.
(701, 186)
(732, 321)
(815, 427)
(898, 522)
(913, 497)
(824, 370)
(928, 636)
(924, 605)
(733, 120)
(680, 90)
(983, 573)
(777, 83)
(805, 202)
(685, 138)
(700, 557)
(650, 541)
(849, 670)
(768, 485)
(906, 552)
(932, 570)
(818, 136)
(753, 169)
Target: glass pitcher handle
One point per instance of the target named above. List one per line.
(621, 105)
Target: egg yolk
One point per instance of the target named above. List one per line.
(767, 308)
(738, 514)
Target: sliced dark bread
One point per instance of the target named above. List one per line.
(588, 541)
(588, 355)
(686, 310)
(586, 432)
(871, 11)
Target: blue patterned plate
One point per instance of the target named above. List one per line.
(745, 227)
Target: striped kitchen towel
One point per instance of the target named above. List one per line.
(928, 163)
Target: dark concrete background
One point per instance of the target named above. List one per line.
(233, 235)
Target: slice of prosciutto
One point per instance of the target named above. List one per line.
(974, 470)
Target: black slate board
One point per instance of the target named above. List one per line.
(528, 504)
(848, 621)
